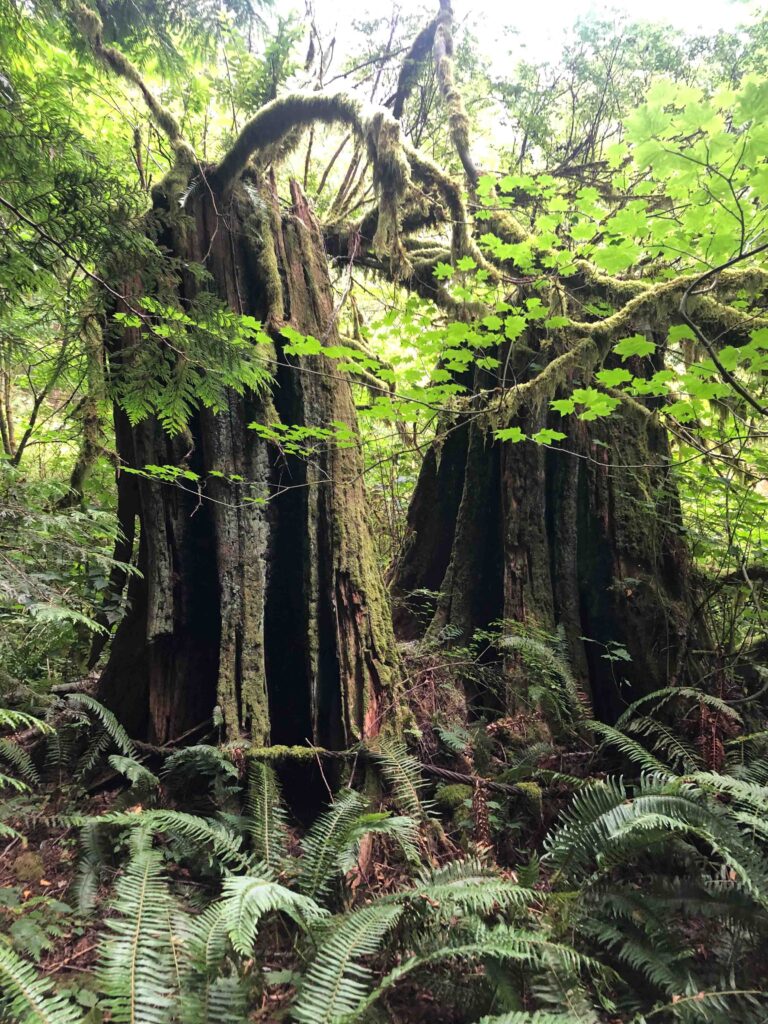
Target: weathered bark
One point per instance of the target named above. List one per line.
(586, 537)
(271, 609)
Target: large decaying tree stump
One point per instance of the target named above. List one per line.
(586, 538)
(273, 609)
(261, 598)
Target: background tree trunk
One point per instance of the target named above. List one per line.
(586, 537)
(271, 609)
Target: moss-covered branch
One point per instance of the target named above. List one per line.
(377, 128)
(457, 115)
(663, 298)
(709, 345)
(503, 222)
(91, 27)
(412, 65)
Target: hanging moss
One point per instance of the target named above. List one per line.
(457, 115)
(411, 67)
(261, 222)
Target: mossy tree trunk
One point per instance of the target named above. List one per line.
(271, 609)
(585, 537)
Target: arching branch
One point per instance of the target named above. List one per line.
(90, 25)
(378, 129)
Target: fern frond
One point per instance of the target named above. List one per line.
(500, 943)
(21, 720)
(576, 837)
(549, 657)
(105, 718)
(136, 970)
(94, 753)
(661, 697)
(747, 794)
(536, 1017)
(699, 1005)
(247, 898)
(7, 782)
(469, 886)
(456, 738)
(401, 828)
(7, 831)
(331, 846)
(222, 999)
(327, 843)
(14, 754)
(139, 776)
(89, 867)
(630, 748)
(267, 820)
(189, 763)
(561, 778)
(208, 994)
(605, 827)
(755, 771)
(223, 843)
(644, 953)
(403, 773)
(337, 983)
(666, 741)
(26, 998)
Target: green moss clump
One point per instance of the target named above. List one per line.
(29, 867)
(530, 791)
(453, 798)
(281, 752)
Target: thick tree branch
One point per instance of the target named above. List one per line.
(501, 222)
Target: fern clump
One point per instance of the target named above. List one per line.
(26, 998)
(330, 847)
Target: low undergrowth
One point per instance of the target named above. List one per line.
(529, 867)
